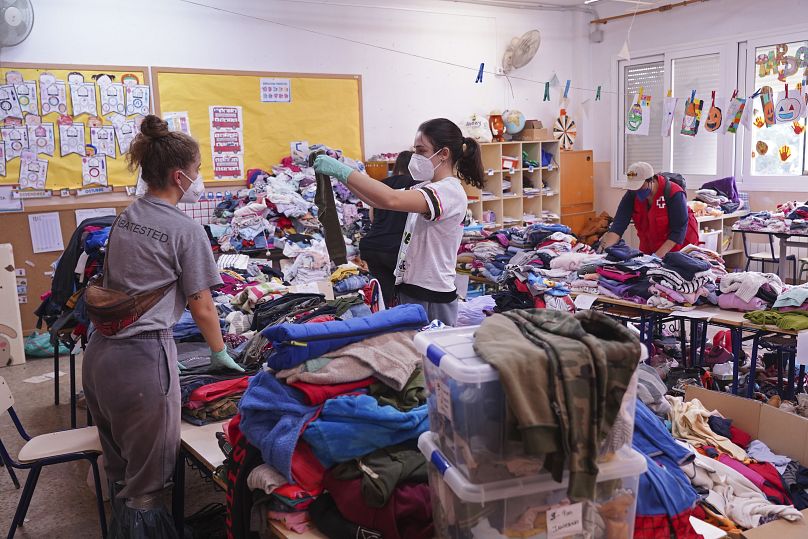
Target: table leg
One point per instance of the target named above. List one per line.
(703, 347)
(683, 338)
(801, 381)
(72, 390)
(736, 335)
(56, 375)
(178, 495)
(780, 372)
(750, 385)
(792, 355)
(693, 341)
(782, 267)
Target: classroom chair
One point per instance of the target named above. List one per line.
(44, 450)
(803, 269)
(768, 257)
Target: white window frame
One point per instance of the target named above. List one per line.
(743, 144)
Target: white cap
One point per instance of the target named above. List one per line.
(637, 174)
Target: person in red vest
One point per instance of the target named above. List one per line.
(659, 209)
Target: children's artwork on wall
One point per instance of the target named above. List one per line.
(785, 153)
(638, 118)
(762, 148)
(94, 170)
(798, 127)
(82, 95)
(103, 138)
(564, 130)
(9, 102)
(714, 117)
(748, 113)
(125, 133)
(53, 94)
(137, 99)
(27, 96)
(692, 118)
(33, 171)
(668, 110)
(112, 98)
(71, 139)
(226, 141)
(225, 117)
(15, 140)
(734, 113)
(42, 139)
(767, 102)
(789, 107)
(2, 161)
(228, 166)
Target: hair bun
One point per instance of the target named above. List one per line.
(154, 127)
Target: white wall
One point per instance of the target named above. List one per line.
(715, 22)
(399, 91)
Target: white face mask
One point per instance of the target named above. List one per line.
(421, 168)
(194, 191)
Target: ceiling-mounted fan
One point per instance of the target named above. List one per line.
(16, 21)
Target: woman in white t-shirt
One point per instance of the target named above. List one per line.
(425, 272)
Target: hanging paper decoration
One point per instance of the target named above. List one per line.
(41, 138)
(735, 110)
(137, 99)
(748, 113)
(33, 171)
(53, 94)
(766, 100)
(714, 117)
(15, 140)
(9, 102)
(82, 94)
(564, 130)
(692, 118)
(94, 170)
(103, 138)
(71, 139)
(638, 119)
(762, 148)
(788, 107)
(125, 133)
(668, 110)
(26, 92)
(785, 153)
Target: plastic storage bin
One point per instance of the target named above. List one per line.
(468, 410)
(518, 507)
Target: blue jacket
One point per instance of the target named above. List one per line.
(292, 344)
(350, 427)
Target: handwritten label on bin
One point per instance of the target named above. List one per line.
(444, 401)
(564, 520)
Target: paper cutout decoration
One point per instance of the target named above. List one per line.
(112, 98)
(785, 153)
(789, 107)
(94, 121)
(759, 122)
(714, 117)
(94, 170)
(103, 138)
(762, 148)
(692, 118)
(225, 117)
(71, 139)
(734, 114)
(33, 171)
(15, 140)
(125, 133)
(27, 97)
(638, 119)
(564, 130)
(2, 160)
(53, 94)
(767, 101)
(226, 141)
(228, 166)
(83, 97)
(41, 139)
(137, 99)
(797, 127)
(9, 102)
(668, 111)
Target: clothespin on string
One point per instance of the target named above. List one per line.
(546, 91)
(567, 89)
(480, 73)
(757, 93)
(597, 94)
(713, 97)
(693, 96)
(734, 93)
(786, 90)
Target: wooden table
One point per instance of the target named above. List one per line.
(785, 242)
(199, 444)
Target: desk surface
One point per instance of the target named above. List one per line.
(767, 232)
(201, 442)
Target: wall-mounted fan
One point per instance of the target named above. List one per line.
(16, 21)
(521, 51)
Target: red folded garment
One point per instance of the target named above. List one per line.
(739, 437)
(217, 390)
(307, 471)
(317, 394)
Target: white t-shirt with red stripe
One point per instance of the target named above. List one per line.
(428, 253)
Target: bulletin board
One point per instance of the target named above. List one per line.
(321, 109)
(66, 172)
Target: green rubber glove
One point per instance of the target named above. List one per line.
(222, 360)
(331, 167)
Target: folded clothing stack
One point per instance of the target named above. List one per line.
(749, 290)
(681, 281)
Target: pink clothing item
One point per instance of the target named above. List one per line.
(617, 275)
(297, 522)
(730, 301)
(668, 293)
(757, 479)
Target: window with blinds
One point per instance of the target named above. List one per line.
(699, 154)
(650, 77)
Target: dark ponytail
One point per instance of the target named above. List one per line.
(157, 151)
(465, 151)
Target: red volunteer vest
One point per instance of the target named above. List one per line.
(652, 222)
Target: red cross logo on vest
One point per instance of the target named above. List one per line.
(660, 202)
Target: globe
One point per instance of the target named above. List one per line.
(514, 121)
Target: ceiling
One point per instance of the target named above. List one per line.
(612, 5)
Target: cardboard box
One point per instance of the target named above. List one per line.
(318, 287)
(533, 131)
(784, 433)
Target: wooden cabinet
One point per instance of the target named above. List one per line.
(577, 188)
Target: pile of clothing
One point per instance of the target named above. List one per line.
(681, 281)
(790, 216)
(703, 465)
(348, 278)
(789, 310)
(719, 197)
(333, 421)
(749, 290)
(623, 274)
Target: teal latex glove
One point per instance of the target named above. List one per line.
(331, 167)
(222, 360)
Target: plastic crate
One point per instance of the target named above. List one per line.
(468, 410)
(518, 507)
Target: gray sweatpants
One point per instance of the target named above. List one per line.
(445, 312)
(133, 392)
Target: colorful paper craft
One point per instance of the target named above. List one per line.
(71, 139)
(9, 102)
(137, 99)
(53, 94)
(103, 138)
(94, 170)
(41, 138)
(15, 140)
